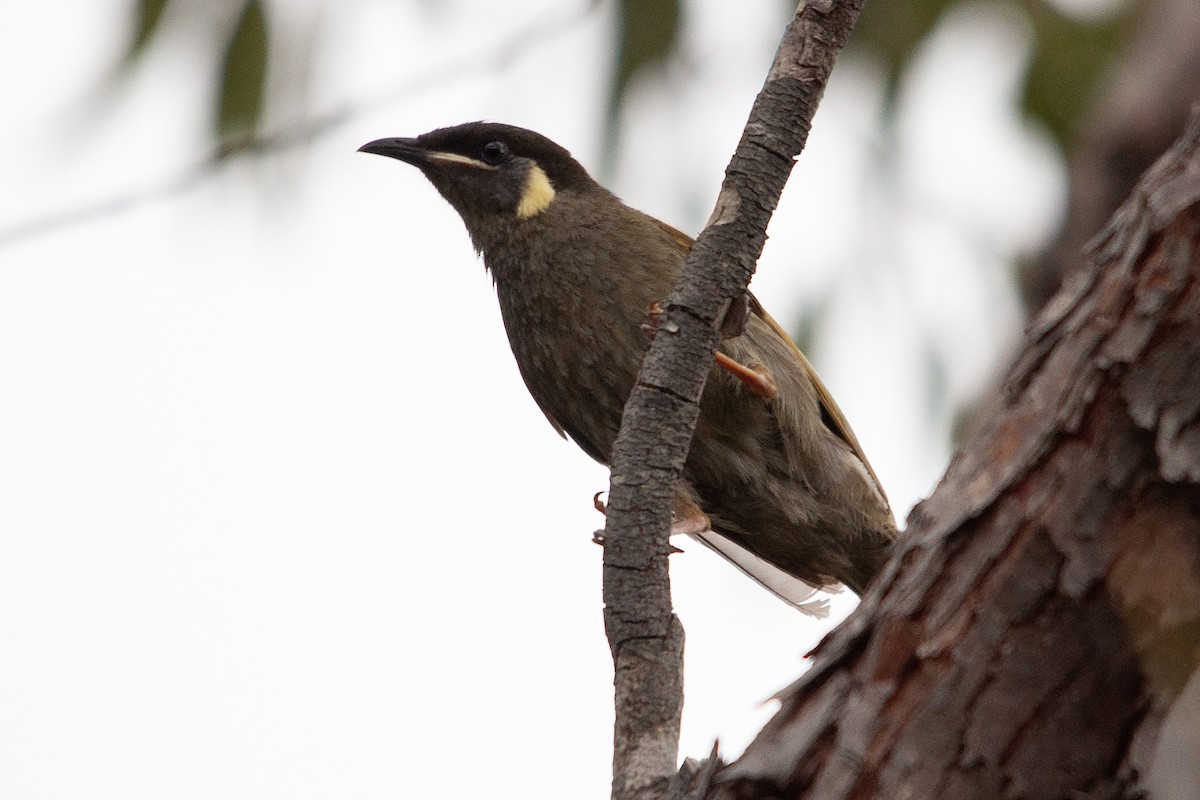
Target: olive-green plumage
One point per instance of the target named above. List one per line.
(780, 477)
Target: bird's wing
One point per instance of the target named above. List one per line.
(680, 238)
(831, 415)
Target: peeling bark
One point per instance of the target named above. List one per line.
(1037, 634)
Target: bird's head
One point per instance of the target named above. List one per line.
(494, 175)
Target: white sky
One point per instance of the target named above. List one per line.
(277, 517)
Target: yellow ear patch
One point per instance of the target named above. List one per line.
(537, 195)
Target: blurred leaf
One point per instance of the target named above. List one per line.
(243, 74)
(1070, 58)
(648, 34)
(149, 14)
(894, 29)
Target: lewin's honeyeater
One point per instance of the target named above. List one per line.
(775, 482)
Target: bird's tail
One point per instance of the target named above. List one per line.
(799, 594)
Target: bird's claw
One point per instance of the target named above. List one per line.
(598, 504)
(653, 315)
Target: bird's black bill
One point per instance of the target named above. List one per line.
(404, 149)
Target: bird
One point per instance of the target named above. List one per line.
(776, 481)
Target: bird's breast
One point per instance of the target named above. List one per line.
(575, 285)
(578, 347)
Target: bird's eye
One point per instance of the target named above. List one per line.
(495, 152)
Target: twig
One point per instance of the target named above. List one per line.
(644, 635)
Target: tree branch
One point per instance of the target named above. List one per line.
(644, 635)
(1039, 626)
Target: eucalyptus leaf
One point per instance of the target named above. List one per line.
(148, 17)
(243, 74)
(648, 35)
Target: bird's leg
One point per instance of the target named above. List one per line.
(732, 323)
(689, 518)
(758, 381)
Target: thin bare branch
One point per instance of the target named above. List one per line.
(644, 635)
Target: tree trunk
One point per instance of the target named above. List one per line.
(1037, 633)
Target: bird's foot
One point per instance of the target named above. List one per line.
(684, 525)
(759, 382)
(598, 504)
(653, 315)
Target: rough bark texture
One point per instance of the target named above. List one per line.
(644, 635)
(1037, 635)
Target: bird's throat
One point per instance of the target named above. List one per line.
(537, 195)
